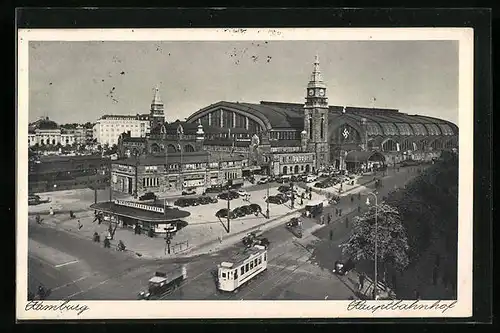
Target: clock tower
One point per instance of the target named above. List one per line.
(316, 117)
(156, 113)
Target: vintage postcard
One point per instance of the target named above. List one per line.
(244, 173)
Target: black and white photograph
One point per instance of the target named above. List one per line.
(240, 168)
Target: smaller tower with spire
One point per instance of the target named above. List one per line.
(156, 113)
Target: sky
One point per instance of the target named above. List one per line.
(81, 81)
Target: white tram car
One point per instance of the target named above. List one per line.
(232, 275)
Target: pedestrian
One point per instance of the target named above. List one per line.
(301, 200)
(352, 198)
(331, 234)
(79, 224)
(329, 218)
(340, 211)
(310, 195)
(359, 195)
(347, 222)
(51, 211)
(220, 239)
(99, 218)
(359, 209)
(361, 281)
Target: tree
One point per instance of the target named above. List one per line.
(392, 247)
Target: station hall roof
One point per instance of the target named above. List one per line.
(291, 115)
(172, 214)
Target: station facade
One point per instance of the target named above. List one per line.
(290, 138)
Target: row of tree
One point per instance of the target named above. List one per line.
(409, 219)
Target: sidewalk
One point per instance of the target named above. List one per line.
(201, 235)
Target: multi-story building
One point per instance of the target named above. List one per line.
(174, 171)
(45, 132)
(108, 128)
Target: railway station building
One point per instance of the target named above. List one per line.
(290, 138)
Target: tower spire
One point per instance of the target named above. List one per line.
(316, 80)
(156, 97)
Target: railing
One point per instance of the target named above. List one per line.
(137, 205)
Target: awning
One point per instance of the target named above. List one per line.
(172, 214)
(363, 156)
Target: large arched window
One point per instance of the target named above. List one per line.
(322, 128)
(285, 169)
(188, 148)
(390, 145)
(171, 148)
(406, 145)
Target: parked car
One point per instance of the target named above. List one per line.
(275, 200)
(242, 193)
(263, 180)
(148, 196)
(322, 184)
(188, 192)
(182, 202)
(214, 189)
(284, 197)
(34, 199)
(223, 213)
(284, 188)
(311, 178)
(228, 195)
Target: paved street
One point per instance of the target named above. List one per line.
(85, 270)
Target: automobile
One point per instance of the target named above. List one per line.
(284, 197)
(228, 195)
(263, 180)
(302, 178)
(242, 192)
(214, 189)
(34, 199)
(294, 226)
(311, 178)
(188, 192)
(275, 200)
(223, 213)
(256, 209)
(193, 201)
(342, 268)
(321, 184)
(239, 212)
(284, 188)
(183, 202)
(148, 196)
(255, 238)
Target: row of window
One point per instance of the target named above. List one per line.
(150, 182)
(373, 129)
(232, 175)
(285, 135)
(296, 158)
(248, 266)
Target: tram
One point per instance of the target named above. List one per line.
(243, 268)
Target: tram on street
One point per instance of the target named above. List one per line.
(243, 268)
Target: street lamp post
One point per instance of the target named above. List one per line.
(168, 237)
(268, 187)
(376, 242)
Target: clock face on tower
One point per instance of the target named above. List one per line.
(322, 92)
(311, 92)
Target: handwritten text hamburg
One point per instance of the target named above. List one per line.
(64, 306)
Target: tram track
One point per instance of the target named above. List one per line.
(274, 261)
